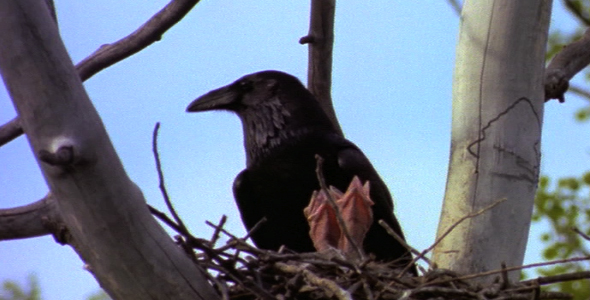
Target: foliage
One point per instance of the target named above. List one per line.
(565, 205)
(11, 290)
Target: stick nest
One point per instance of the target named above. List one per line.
(240, 271)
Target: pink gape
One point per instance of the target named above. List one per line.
(355, 209)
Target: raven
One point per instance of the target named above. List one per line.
(284, 129)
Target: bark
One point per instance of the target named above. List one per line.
(321, 41)
(107, 219)
(498, 101)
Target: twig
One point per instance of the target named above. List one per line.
(164, 218)
(162, 185)
(583, 235)
(312, 278)
(413, 250)
(470, 276)
(558, 278)
(255, 228)
(452, 227)
(320, 174)
(576, 10)
(579, 91)
(215, 236)
(456, 6)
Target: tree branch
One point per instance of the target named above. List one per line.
(110, 54)
(321, 41)
(456, 6)
(579, 91)
(565, 65)
(577, 11)
(106, 215)
(147, 34)
(36, 219)
(10, 131)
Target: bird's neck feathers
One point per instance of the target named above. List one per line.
(275, 123)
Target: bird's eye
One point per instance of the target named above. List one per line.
(246, 85)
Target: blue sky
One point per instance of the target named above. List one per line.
(392, 76)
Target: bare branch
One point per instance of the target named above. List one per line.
(579, 91)
(108, 55)
(456, 6)
(583, 235)
(161, 178)
(454, 225)
(10, 131)
(565, 65)
(577, 11)
(148, 33)
(32, 220)
(321, 41)
(107, 219)
(554, 262)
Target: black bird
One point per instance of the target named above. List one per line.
(284, 128)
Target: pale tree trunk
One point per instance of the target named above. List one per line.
(498, 101)
(105, 215)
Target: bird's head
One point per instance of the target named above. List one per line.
(250, 92)
(274, 107)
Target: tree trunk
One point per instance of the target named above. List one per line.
(107, 219)
(496, 133)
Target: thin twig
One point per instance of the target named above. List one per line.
(559, 278)
(164, 218)
(456, 6)
(320, 174)
(452, 227)
(161, 178)
(577, 11)
(583, 235)
(215, 236)
(481, 274)
(413, 250)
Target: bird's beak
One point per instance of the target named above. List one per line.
(221, 98)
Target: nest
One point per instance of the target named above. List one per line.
(238, 270)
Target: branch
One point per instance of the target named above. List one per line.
(579, 91)
(147, 34)
(36, 219)
(10, 131)
(456, 6)
(321, 41)
(565, 65)
(111, 229)
(515, 268)
(110, 54)
(454, 225)
(179, 222)
(577, 11)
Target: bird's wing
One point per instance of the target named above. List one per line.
(354, 162)
(247, 206)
